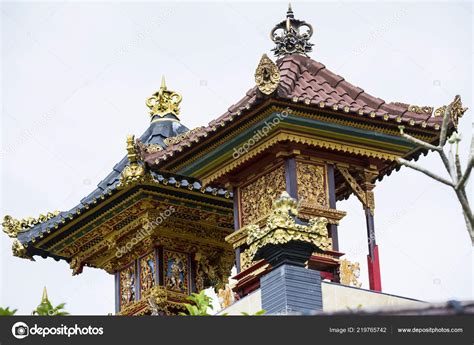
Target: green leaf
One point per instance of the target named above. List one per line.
(7, 312)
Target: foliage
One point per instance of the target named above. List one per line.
(47, 309)
(201, 303)
(258, 313)
(7, 312)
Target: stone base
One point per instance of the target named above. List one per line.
(290, 289)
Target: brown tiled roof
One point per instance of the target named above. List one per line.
(309, 82)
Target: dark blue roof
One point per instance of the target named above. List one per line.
(159, 129)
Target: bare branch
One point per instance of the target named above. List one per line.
(425, 171)
(419, 142)
(447, 164)
(465, 206)
(465, 177)
(457, 163)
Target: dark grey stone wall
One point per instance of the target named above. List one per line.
(291, 289)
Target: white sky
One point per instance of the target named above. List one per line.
(75, 77)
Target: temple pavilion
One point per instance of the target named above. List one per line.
(257, 188)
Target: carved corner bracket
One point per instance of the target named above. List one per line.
(364, 191)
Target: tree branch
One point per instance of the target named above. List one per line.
(425, 171)
(418, 141)
(463, 180)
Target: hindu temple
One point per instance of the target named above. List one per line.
(255, 189)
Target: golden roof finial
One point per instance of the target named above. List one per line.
(291, 36)
(163, 82)
(289, 13)
(164, 101)
(44, 298)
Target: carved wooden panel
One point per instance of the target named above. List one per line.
(147, 271)
(258, 196)
(312, 184)
(127, 285)
(176, 271)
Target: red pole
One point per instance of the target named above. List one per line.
(375, 281)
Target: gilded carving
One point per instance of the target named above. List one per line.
(134, 172)
(19, 250)
(158, 301)
(225, 296)
(311, 180)
(127, 285)
(177, 139)
(349, 273)
(420, 109)
(258, 196)
(457, 111)
(12, 227)
(164, 101)
(76, 265)
(282, 228)
(267, 75)
(365, 195)
(245, 260)
(176, 271)
(147, 272)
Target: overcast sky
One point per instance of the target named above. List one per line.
(75, 77)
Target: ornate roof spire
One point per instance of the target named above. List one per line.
(164, 102)
(44, 298)
(288, 37)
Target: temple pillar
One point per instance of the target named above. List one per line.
(373, 261)
(332, 204)
(236, 226)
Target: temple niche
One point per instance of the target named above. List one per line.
(255, 189)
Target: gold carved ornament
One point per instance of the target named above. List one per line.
(212, 270)
(349, 273)
(365, 195)
(164, 101)
(457, 111)
(177, 139)
(282, 228)
(311, 184)
(257, 197)
(134, 171)
(225, 296)
(158, 301)
(267, 75)
(420, 109)
(12, 227)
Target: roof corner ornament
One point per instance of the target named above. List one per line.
(164, 101)
(289, 38)
(457, 111)
(267, 75)
(12, 227)
(134, 171)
